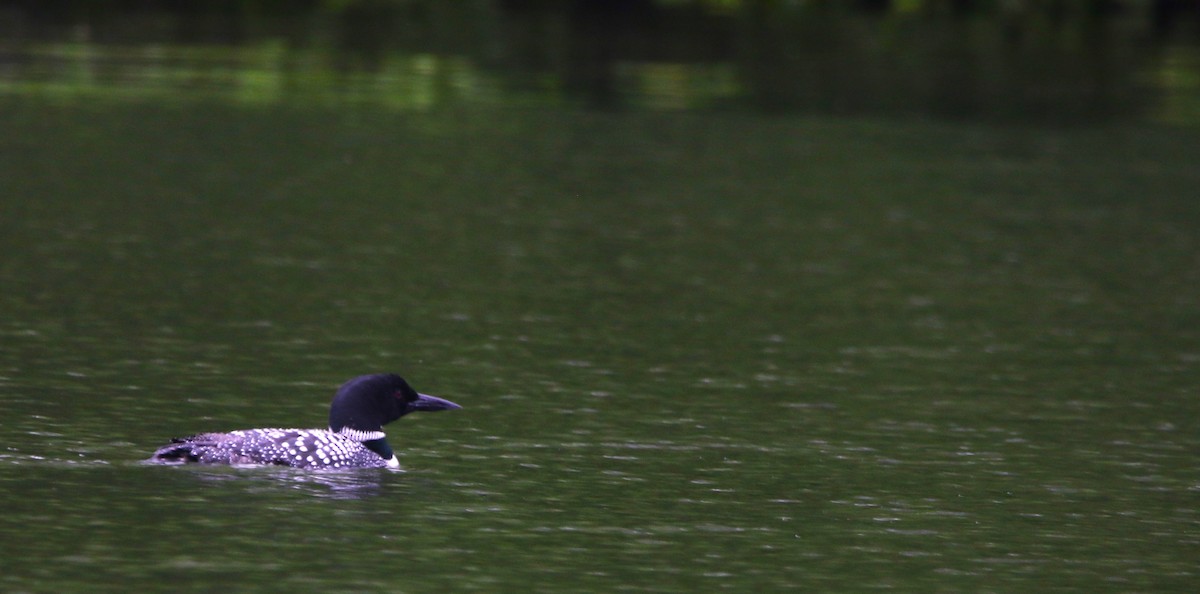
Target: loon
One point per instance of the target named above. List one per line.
(355, 438)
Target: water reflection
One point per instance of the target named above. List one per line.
(1023, 63)
(341, 484)
(331, 484)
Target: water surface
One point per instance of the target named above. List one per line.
(696, 351)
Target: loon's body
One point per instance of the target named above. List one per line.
(355, 438)
(298, 448)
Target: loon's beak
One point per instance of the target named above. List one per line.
(425, 402)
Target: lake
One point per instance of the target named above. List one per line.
(700, 344)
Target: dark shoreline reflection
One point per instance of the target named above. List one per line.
(1007, 61)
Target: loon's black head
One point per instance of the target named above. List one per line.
(367, 403)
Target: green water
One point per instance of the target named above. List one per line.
(697, 350)
(696, 353)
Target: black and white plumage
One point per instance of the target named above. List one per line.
(355, 438)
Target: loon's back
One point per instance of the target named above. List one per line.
(298, 448)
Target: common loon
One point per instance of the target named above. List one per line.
(355, 438)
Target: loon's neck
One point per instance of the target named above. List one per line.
(376, 441)
(359, 435)
(380, 446)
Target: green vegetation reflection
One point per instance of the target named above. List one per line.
(1052, 62)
